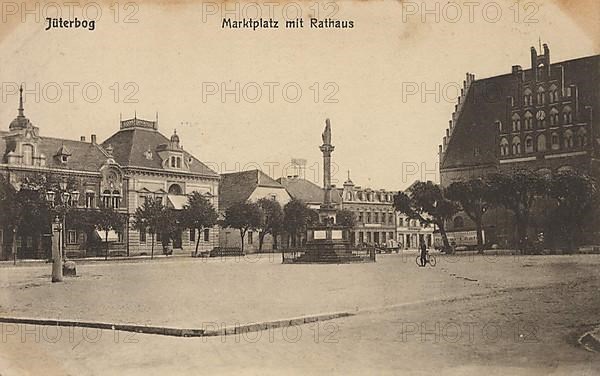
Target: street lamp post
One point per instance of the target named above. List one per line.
(57, 267)
(68, 199)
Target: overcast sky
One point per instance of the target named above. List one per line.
(172, 57)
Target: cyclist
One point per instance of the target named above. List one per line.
(423, 254)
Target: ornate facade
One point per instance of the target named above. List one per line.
(135, 163)
(540, 119)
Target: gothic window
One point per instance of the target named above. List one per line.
(516, 123)
(527, 98)
(555, 141)
(28, 154)
(541, 143)
(516, 146)
(568, 139)
(528, 120)
(553, 94)
(529, 144)
(554, 117)
(582, 137)
(567, 115)
(504, 147)
(498, 124)
(541, 96)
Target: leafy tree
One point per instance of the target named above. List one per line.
(243, 216)
(575, 195)
(271, 220)
(108, 219)
(198, 214)
(11, 211)
(426, 202)
(149, 217)
(345, 218)
(171, 226)
(517, 192)
(474, 199)
(297, 217)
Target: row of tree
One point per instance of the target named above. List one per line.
(27, 211)
(566, 201)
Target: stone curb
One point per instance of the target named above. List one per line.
(591, 340)
(177, 332)
(255, 327)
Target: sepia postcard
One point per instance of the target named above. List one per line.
(300, 187)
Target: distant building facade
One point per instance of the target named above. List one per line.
(373, 211)
(249, 186)
(411, 232)
(135, 163)
(541, 119)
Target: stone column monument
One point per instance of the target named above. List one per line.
(327, 211)
(328, 242)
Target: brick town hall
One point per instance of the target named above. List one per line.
(135, 163)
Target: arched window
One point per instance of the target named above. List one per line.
(528, 120)
(581, 138)
(498, 124)
(527, 97)
(516, 123)
(116, 199)
(554, 118)
(553, 94)
(516, 146)
(568, 139)
(111, 199)
(567, 115)
(458, 222)
(541, 143)
(504, 147)
(28, 154)
(175, 189)
(106, 199)
(555, 141)
(529, 144)
(541, 95)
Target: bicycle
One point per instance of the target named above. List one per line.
(429, 259)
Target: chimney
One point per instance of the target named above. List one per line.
(94, 139)
(82, 139)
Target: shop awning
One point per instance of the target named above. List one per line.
(177, 202)
(112, 235)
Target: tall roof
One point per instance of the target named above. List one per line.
(486, 103)
(132, 143)
(239, 186)
(302, 189)
(82, 156)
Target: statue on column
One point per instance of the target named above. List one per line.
(327, 133)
